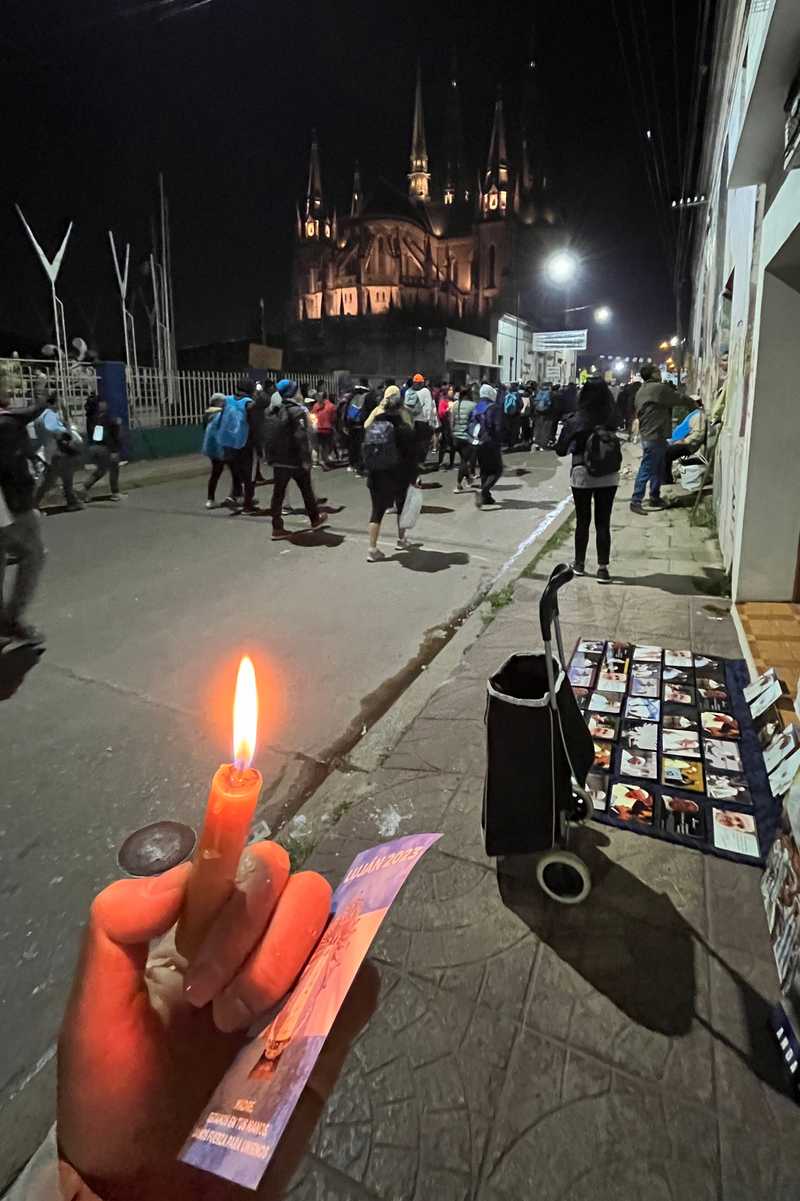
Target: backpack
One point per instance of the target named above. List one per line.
(233, 429)
(511, 404)
(413, 404)
(602, 454)
(477, 430)
(277, 434)
(544, 400)
(380, 447)
(354, 413)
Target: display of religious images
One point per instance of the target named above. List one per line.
(643, 708)
(681, 816)
(581, 696)
(735, 832)
(605, 702)
(678, 694)
(727, 787)
(724, 756)
(669, 719)
(602, 725)
(643, 764)
(680, 742)
(720, 725)
(780, 889)
(590, 647)
(682, 773)
(639, 735)
(581, 677)
(632, 803)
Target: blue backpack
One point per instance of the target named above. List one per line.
(233, 427)
(477, 430)
(511, 404)
(544, 400)
(212, 447)
(355, 415)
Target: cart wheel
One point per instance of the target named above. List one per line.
(563, 877)
(583, 809)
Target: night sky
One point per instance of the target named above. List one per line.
(98, 97)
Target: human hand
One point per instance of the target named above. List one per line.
(146, 1040)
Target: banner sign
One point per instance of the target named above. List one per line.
(562, 339)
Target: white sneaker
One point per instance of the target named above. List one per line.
(211, 504)
(350, 469)
(374, 555)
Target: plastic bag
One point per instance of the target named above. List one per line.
(690, 475)
(412, 508)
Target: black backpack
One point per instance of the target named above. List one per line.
(380, 447)
(602, 454)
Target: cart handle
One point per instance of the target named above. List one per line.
(548, 604)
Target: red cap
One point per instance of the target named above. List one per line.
(418, 379)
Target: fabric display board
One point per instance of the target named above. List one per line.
(678, 750)
(780, 884)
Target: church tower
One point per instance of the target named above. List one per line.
(454, 189)
(316, 223)
(357, 197)
(495, 190)
(419, 177)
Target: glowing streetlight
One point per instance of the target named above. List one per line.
(674, 340)
(603, 314)
(562, 267)
(619, 366)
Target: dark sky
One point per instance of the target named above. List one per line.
(97, 98)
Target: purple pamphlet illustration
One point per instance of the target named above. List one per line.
(238, 1132)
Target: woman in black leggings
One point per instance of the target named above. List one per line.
(596, 411)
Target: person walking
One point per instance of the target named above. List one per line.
(289, 454)
(324, 413)
(61, 449)
(588, 435)
(419, 403)
(486, 428)
(654, 403)
(543, 409)
(461, 418)
(512, 415)
(390, 459)
(20, 531)
(353, 422)
(447, 446)
(626, 404)
(105, 448)
(213, 450)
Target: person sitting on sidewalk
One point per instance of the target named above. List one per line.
(596, 458)
(654, 403)
(687, 438)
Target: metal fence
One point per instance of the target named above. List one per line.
(154, 399)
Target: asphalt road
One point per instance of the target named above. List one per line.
(147, 606)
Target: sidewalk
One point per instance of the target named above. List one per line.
(529, 1052)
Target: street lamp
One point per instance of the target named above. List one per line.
(562, 267)
(603, 314)
(674, 340)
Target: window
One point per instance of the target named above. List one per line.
(310, 229)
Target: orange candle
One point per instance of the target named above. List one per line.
(234, 795)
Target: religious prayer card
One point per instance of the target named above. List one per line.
(236, 1135)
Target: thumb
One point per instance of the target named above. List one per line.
(124, 918)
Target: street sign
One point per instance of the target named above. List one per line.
(564, 339)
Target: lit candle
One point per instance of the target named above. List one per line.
(234, 795)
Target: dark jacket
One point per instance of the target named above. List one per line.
(111, 437)
(16, 478)
(654, 404)
(408, 467)
(575, 431)
(492, 413)
(286, 435)
(256, 410)
(626, 401)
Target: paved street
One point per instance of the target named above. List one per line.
(147, 606)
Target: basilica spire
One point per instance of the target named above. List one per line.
(314, 189)
(494, 199)
(419, 176)
(356, 199)
(454, 153)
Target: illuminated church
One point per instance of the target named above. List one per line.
(420, 276)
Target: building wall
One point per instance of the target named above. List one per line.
(746, 311)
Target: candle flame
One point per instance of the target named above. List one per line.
(245, 715)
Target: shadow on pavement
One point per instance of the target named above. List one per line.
(16, 660)
(430, 484)
(507, 487)
(429, 561)
(709, 581)
(436, 509)
(315, 538)
(631, 944)
(513, 503)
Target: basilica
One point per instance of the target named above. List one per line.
(421, 274)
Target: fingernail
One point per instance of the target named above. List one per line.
(201, 983)
(231, 1013)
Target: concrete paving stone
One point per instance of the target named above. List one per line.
(760, 1153)
(463, 695)
(736, 916)
(400, 802)
(431, 745)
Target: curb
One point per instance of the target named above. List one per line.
(349, 783)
